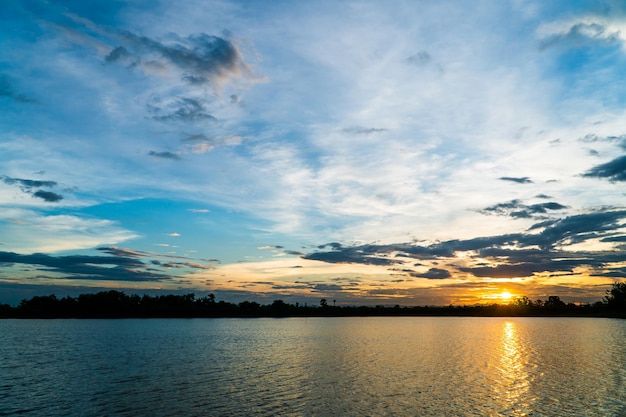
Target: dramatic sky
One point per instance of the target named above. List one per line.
(369, 152)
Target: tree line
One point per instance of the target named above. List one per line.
(117, 304)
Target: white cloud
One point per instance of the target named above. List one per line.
(27, 231)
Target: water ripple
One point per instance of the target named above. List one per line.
(314, 367)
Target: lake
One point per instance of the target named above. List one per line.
(351, 366)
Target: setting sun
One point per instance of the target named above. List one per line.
(505, 295)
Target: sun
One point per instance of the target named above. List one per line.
(505, 295)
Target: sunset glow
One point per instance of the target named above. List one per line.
(505, 295)
(354, 151)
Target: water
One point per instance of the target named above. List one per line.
(359, 366)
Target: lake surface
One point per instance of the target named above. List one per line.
(356, 366)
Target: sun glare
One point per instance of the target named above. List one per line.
(505, 295)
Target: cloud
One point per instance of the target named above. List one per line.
(48, 196)
(519, 180)
(122, 252)
(614, 170)
(165, 155)
(183, 109)
(518, 210)
(106, 268)
(360, 130)
(179, 265)
(433, 273)
(27, 186)
(199, 210)
(619, 140)
(582, 33)
(174, 234)
(198, 59)
(368, 254)
(508, 255)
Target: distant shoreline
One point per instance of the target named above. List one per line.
(117, 305)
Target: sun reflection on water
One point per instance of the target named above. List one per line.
(514, 378)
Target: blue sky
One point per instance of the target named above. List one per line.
(404, 152)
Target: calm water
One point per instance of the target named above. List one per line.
(417, 366)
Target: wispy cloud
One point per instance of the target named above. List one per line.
(375, 125)
(7, 91)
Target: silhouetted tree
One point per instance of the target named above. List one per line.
(522, 301)
(323, 302)
(616, 297)
(554, 301)
(279, 308)
(249, 307)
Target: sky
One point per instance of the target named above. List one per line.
(368, 152)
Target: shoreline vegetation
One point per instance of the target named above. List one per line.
(117, 304)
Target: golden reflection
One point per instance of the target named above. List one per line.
(514, 379)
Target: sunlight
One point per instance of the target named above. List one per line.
(505, 295)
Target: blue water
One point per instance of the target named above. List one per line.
(359, 366)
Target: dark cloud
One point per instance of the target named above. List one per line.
(332, 245)
(327, 287)
(48, 196)
(28, 186)
(507, 271)
(578, 228)
(516, 209)
(106, 268)
(165, 155)
(349, 255)
(181, 265)
(519, 180)
(614, 170)
(619, 238)
(114, 250)
(184, 109)
(199, 58)
(433, 273)
(543, 248)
